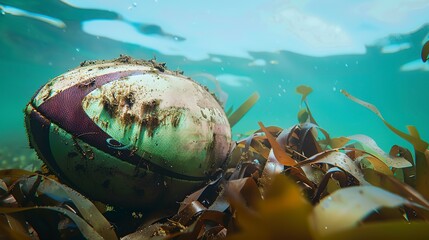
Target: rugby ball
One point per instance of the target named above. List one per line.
(128, 132)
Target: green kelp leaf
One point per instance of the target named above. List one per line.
(345, 208)
(304, 91)
(55, 189)
(425, 52)
(370, 146)
(243, 109)
(337, 159)
(384, 230)
(85, 229)
(418, 144)
(281, 156)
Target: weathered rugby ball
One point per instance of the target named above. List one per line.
(128, 132)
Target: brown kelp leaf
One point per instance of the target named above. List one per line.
(281, 156)
(302, 116)
(337, 159)
(395, 186)
(243, 201)
(85, 207)
(372, 162)
(3, 188)
(384, 230)
(15, 225)
(243, 109)
(283, 214)
(409, 174)
(418, 144)
(203, 225)
(11, 234)
(308, 142)
(340, 177)
(422, 166)
(338, 142)
(352, 205)
(368, 145)
(425, 52)
(305, 115)
(304, 91)
(85, 229)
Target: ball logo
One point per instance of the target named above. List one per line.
(112, 143)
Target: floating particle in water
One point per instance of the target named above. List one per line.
(334, 89)
(133, 5)
(77, 50)
(346, 65)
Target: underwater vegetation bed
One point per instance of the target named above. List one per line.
(297, 183)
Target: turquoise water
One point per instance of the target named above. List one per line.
(248, 48)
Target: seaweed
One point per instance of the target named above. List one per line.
(294, 183)
(234, 117)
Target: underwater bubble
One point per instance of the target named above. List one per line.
(133, 5)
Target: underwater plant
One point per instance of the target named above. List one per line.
(296, 183)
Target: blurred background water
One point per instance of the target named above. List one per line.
(371, 48)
